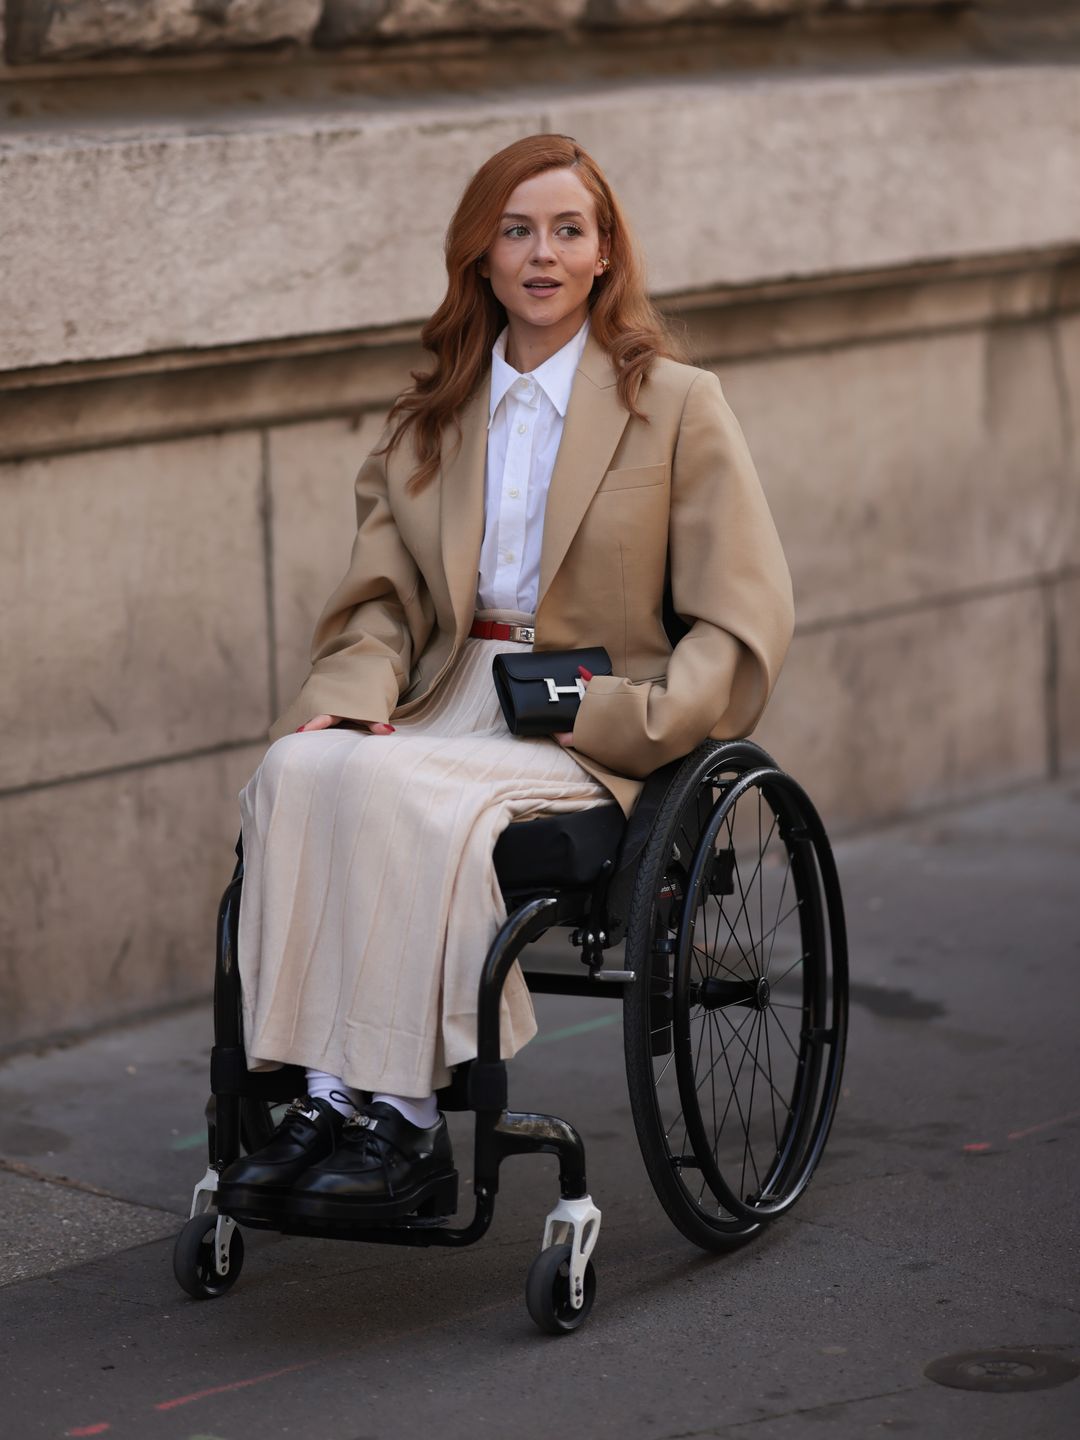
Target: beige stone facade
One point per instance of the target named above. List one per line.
(221, 230)
(42, 30)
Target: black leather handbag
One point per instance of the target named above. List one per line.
(540, 690)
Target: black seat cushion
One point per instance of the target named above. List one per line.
(561, 851)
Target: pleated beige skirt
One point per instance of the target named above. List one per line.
(370, 896)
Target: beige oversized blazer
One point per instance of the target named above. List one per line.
(627, 496)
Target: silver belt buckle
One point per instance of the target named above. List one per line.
(525, 634)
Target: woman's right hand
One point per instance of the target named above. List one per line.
(324, 722)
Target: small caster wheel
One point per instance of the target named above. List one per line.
(193, 1258)
(547, 1292)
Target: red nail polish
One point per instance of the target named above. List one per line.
(585, 674)
(298, 729)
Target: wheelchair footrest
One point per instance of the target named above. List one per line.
(250, 1205)
(433, 1199)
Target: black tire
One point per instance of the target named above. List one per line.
(547, 1292)
(193, 1258)
(736, 938)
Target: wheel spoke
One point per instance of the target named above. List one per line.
(720, 965)
(712, 1072)
(748, 1148)
(743, 894)
(723, 1051)
(743, 1043)
(787, 1037)
(760, 891)
(697, 1056)
(779, 907)
(738, 1073)
(733, 1096)
(787, 916)
(723, 1043)
(674, 1123)
(772, 1087)
(700, 1046)
(727, 944)
(797, 961)
(704, 912)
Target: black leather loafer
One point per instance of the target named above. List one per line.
(383, 1168)
(254, 1188)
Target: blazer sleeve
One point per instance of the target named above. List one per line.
(374, 623)
(729, 581)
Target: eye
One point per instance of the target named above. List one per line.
(571, 228)
(516, 230)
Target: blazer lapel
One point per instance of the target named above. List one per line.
(461, 510)
(595, 420)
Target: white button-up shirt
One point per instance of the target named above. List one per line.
(525, 425)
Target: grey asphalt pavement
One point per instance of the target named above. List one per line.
(943, 1219)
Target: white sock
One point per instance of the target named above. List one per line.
(332, 1089)
(421, 1110)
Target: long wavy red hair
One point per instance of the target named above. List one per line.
(463, 329)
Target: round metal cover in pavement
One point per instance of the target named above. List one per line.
(1002, 1372)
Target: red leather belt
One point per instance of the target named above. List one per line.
(499, 630)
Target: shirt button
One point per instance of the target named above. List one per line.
(523, 429)
(508, 556)
(513, 494)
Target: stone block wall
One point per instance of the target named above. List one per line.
(41, 30)
(213, 282)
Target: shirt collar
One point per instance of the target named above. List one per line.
(555, 376)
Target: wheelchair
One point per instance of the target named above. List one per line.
(723, 893)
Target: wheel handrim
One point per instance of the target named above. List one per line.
(755, 1013)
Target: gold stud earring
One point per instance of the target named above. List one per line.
(605, 262)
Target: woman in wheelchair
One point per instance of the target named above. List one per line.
(558, 479)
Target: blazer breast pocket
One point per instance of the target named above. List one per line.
(635, 478)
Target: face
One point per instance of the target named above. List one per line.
(546, 254)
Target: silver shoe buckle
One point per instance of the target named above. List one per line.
(299, 1107)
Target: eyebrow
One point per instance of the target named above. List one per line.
(564, 215)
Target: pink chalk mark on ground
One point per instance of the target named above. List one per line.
(1044, 1125)
(98, 1429)
(231, 1385)
(978, 1147)
(307, 1364)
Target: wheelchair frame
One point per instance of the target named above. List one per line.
(559, 1294)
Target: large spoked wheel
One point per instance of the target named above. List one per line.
(735, 1025)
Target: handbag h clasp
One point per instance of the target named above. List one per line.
(554, 691)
